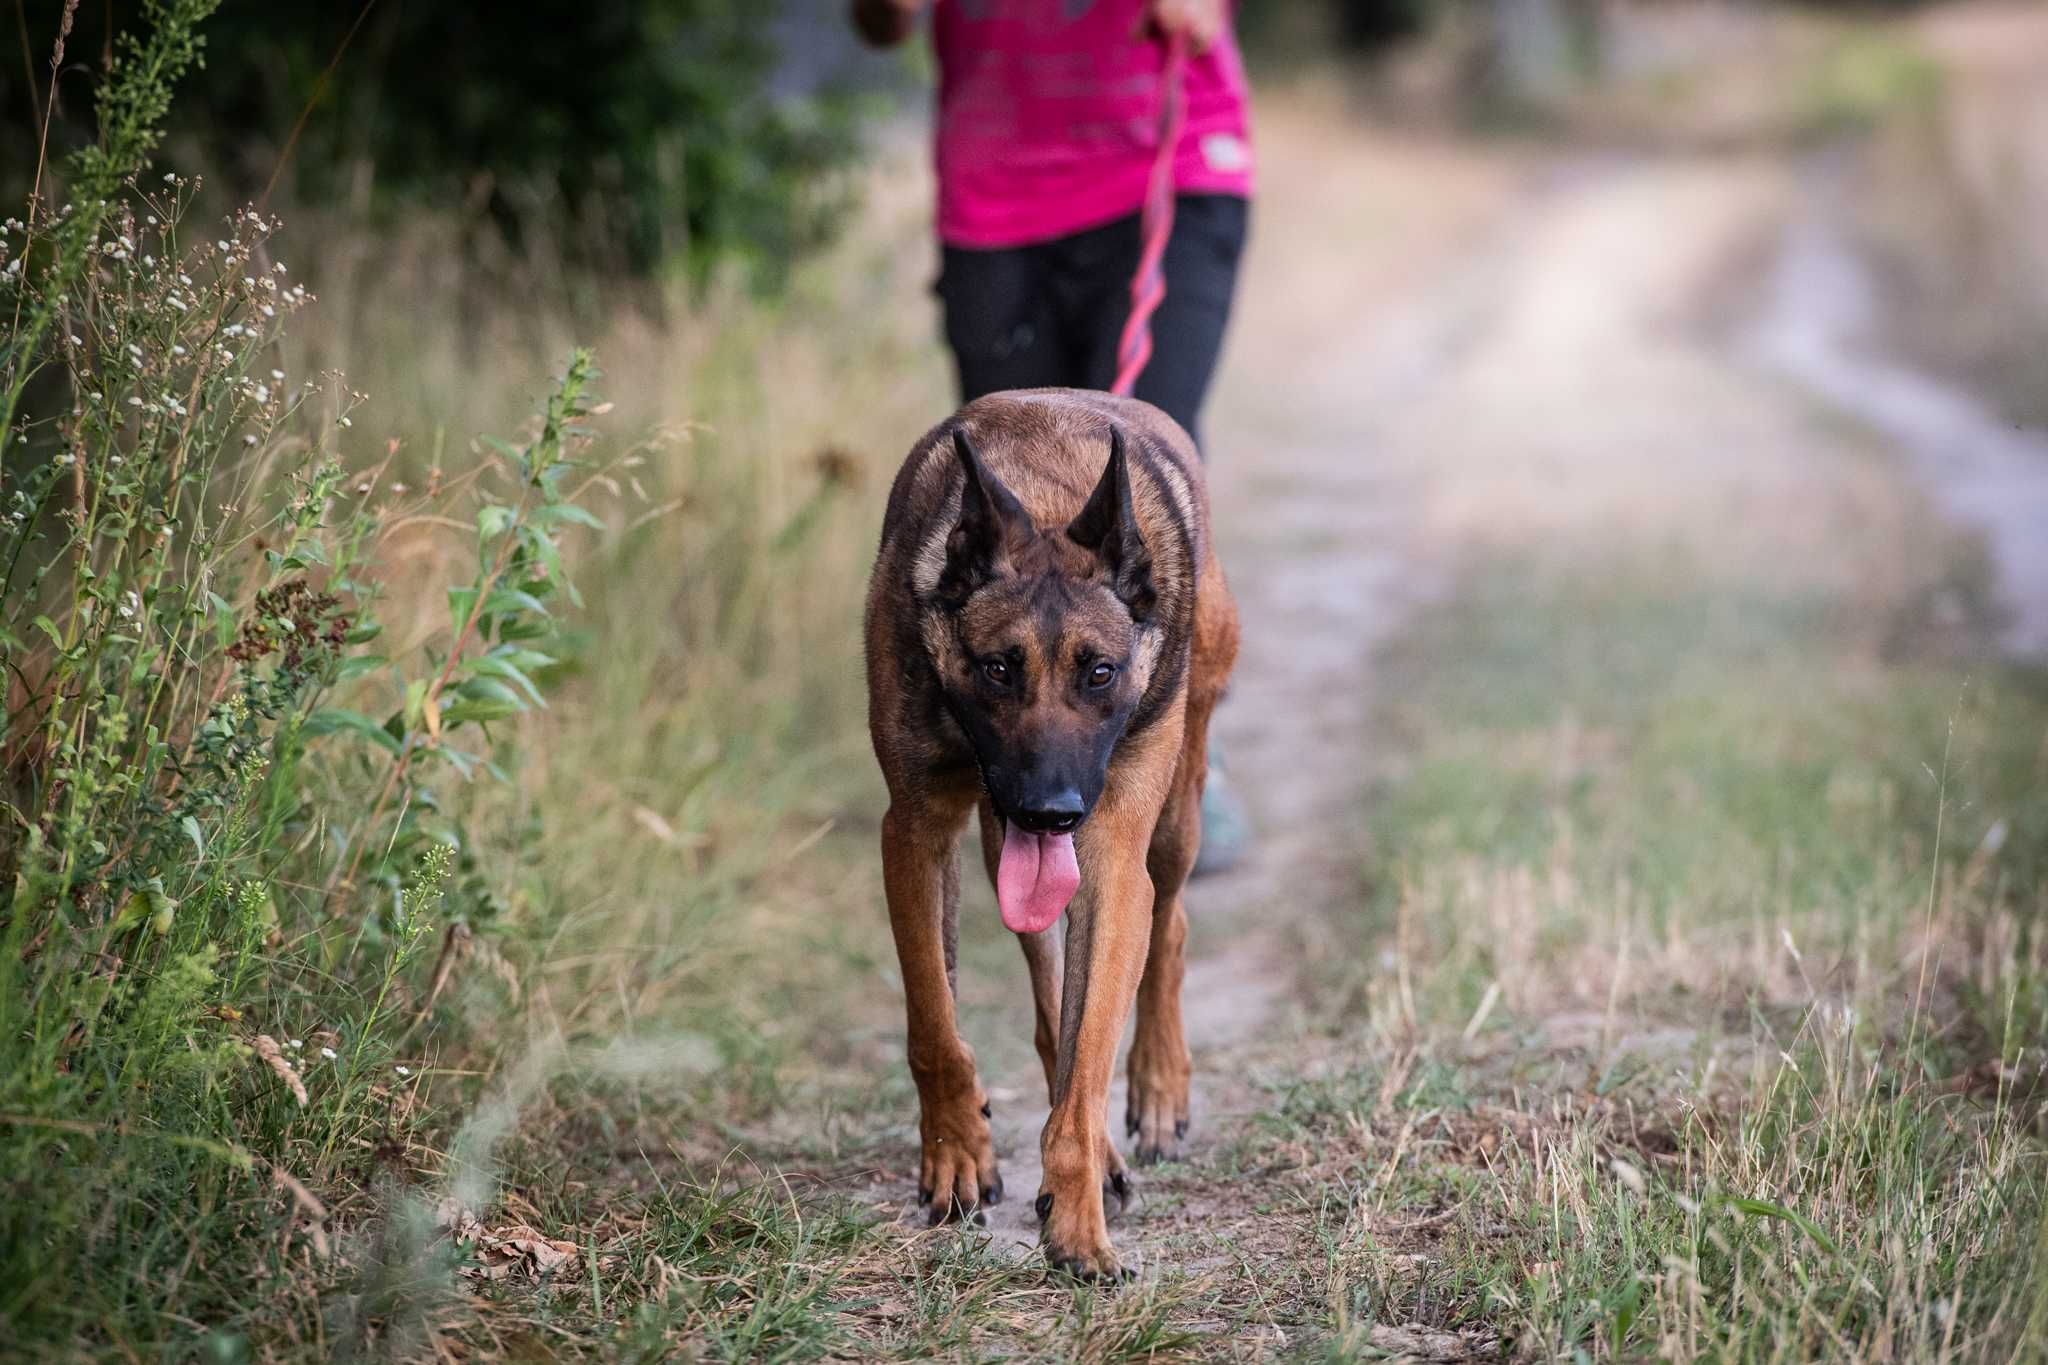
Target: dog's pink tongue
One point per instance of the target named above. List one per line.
(1035, 878)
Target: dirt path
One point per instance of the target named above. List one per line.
(1313, 544)
(1334, 529)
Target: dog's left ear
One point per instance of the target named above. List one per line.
(1109, 527)
(977, 549)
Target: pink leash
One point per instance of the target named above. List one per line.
(1155, 224)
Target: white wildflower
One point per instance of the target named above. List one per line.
(405, 1071)
(328, 1053)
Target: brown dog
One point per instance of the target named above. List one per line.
(1047, 633)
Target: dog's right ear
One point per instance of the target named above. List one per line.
(977, 549)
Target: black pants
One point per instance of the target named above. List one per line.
(1049, 314)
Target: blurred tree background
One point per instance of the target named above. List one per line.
(644, 133)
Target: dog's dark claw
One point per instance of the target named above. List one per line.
(1044, 1206)
(992, 1193)
(924, 1194)
(987, 1110)
(1073, 1269)
(1131, 1123)
(1180, 1128)
(1119, 1193)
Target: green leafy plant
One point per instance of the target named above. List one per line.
(218, 875)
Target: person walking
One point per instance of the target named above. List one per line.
(1046, 132)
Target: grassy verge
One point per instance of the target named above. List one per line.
(1701, 983)
(347, 847)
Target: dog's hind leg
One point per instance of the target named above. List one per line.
(1156, 1111)
(1041, 959)
(1156, 1105)
(921, 874)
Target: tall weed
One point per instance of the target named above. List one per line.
(232, 824)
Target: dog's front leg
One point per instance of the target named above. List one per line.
(1107, 934)
(921, 875)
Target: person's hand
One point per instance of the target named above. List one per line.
(884, 23)
(1200, 22)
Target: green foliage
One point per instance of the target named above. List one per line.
(642, 134)
(217, 873)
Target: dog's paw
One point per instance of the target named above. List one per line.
(1076, 1239)
(1088, 1264)
(958, 1176)
(1156, 1112)
(1158, 1118)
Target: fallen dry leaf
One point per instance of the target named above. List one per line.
(500, 1252)
(273, 1057)
(519, 1249)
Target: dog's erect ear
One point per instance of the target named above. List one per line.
(1108, 526)
(976, 549)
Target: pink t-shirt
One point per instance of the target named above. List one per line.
(1048, 117)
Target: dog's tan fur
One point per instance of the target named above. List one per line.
(1126, 927)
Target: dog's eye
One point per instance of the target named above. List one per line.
(997, 672)
(1100, 675)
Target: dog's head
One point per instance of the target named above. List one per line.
(1044, 646)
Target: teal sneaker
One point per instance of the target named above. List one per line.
(1226, 824)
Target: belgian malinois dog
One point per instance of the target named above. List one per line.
(1047, 633)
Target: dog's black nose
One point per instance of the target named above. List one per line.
(1054, 813)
